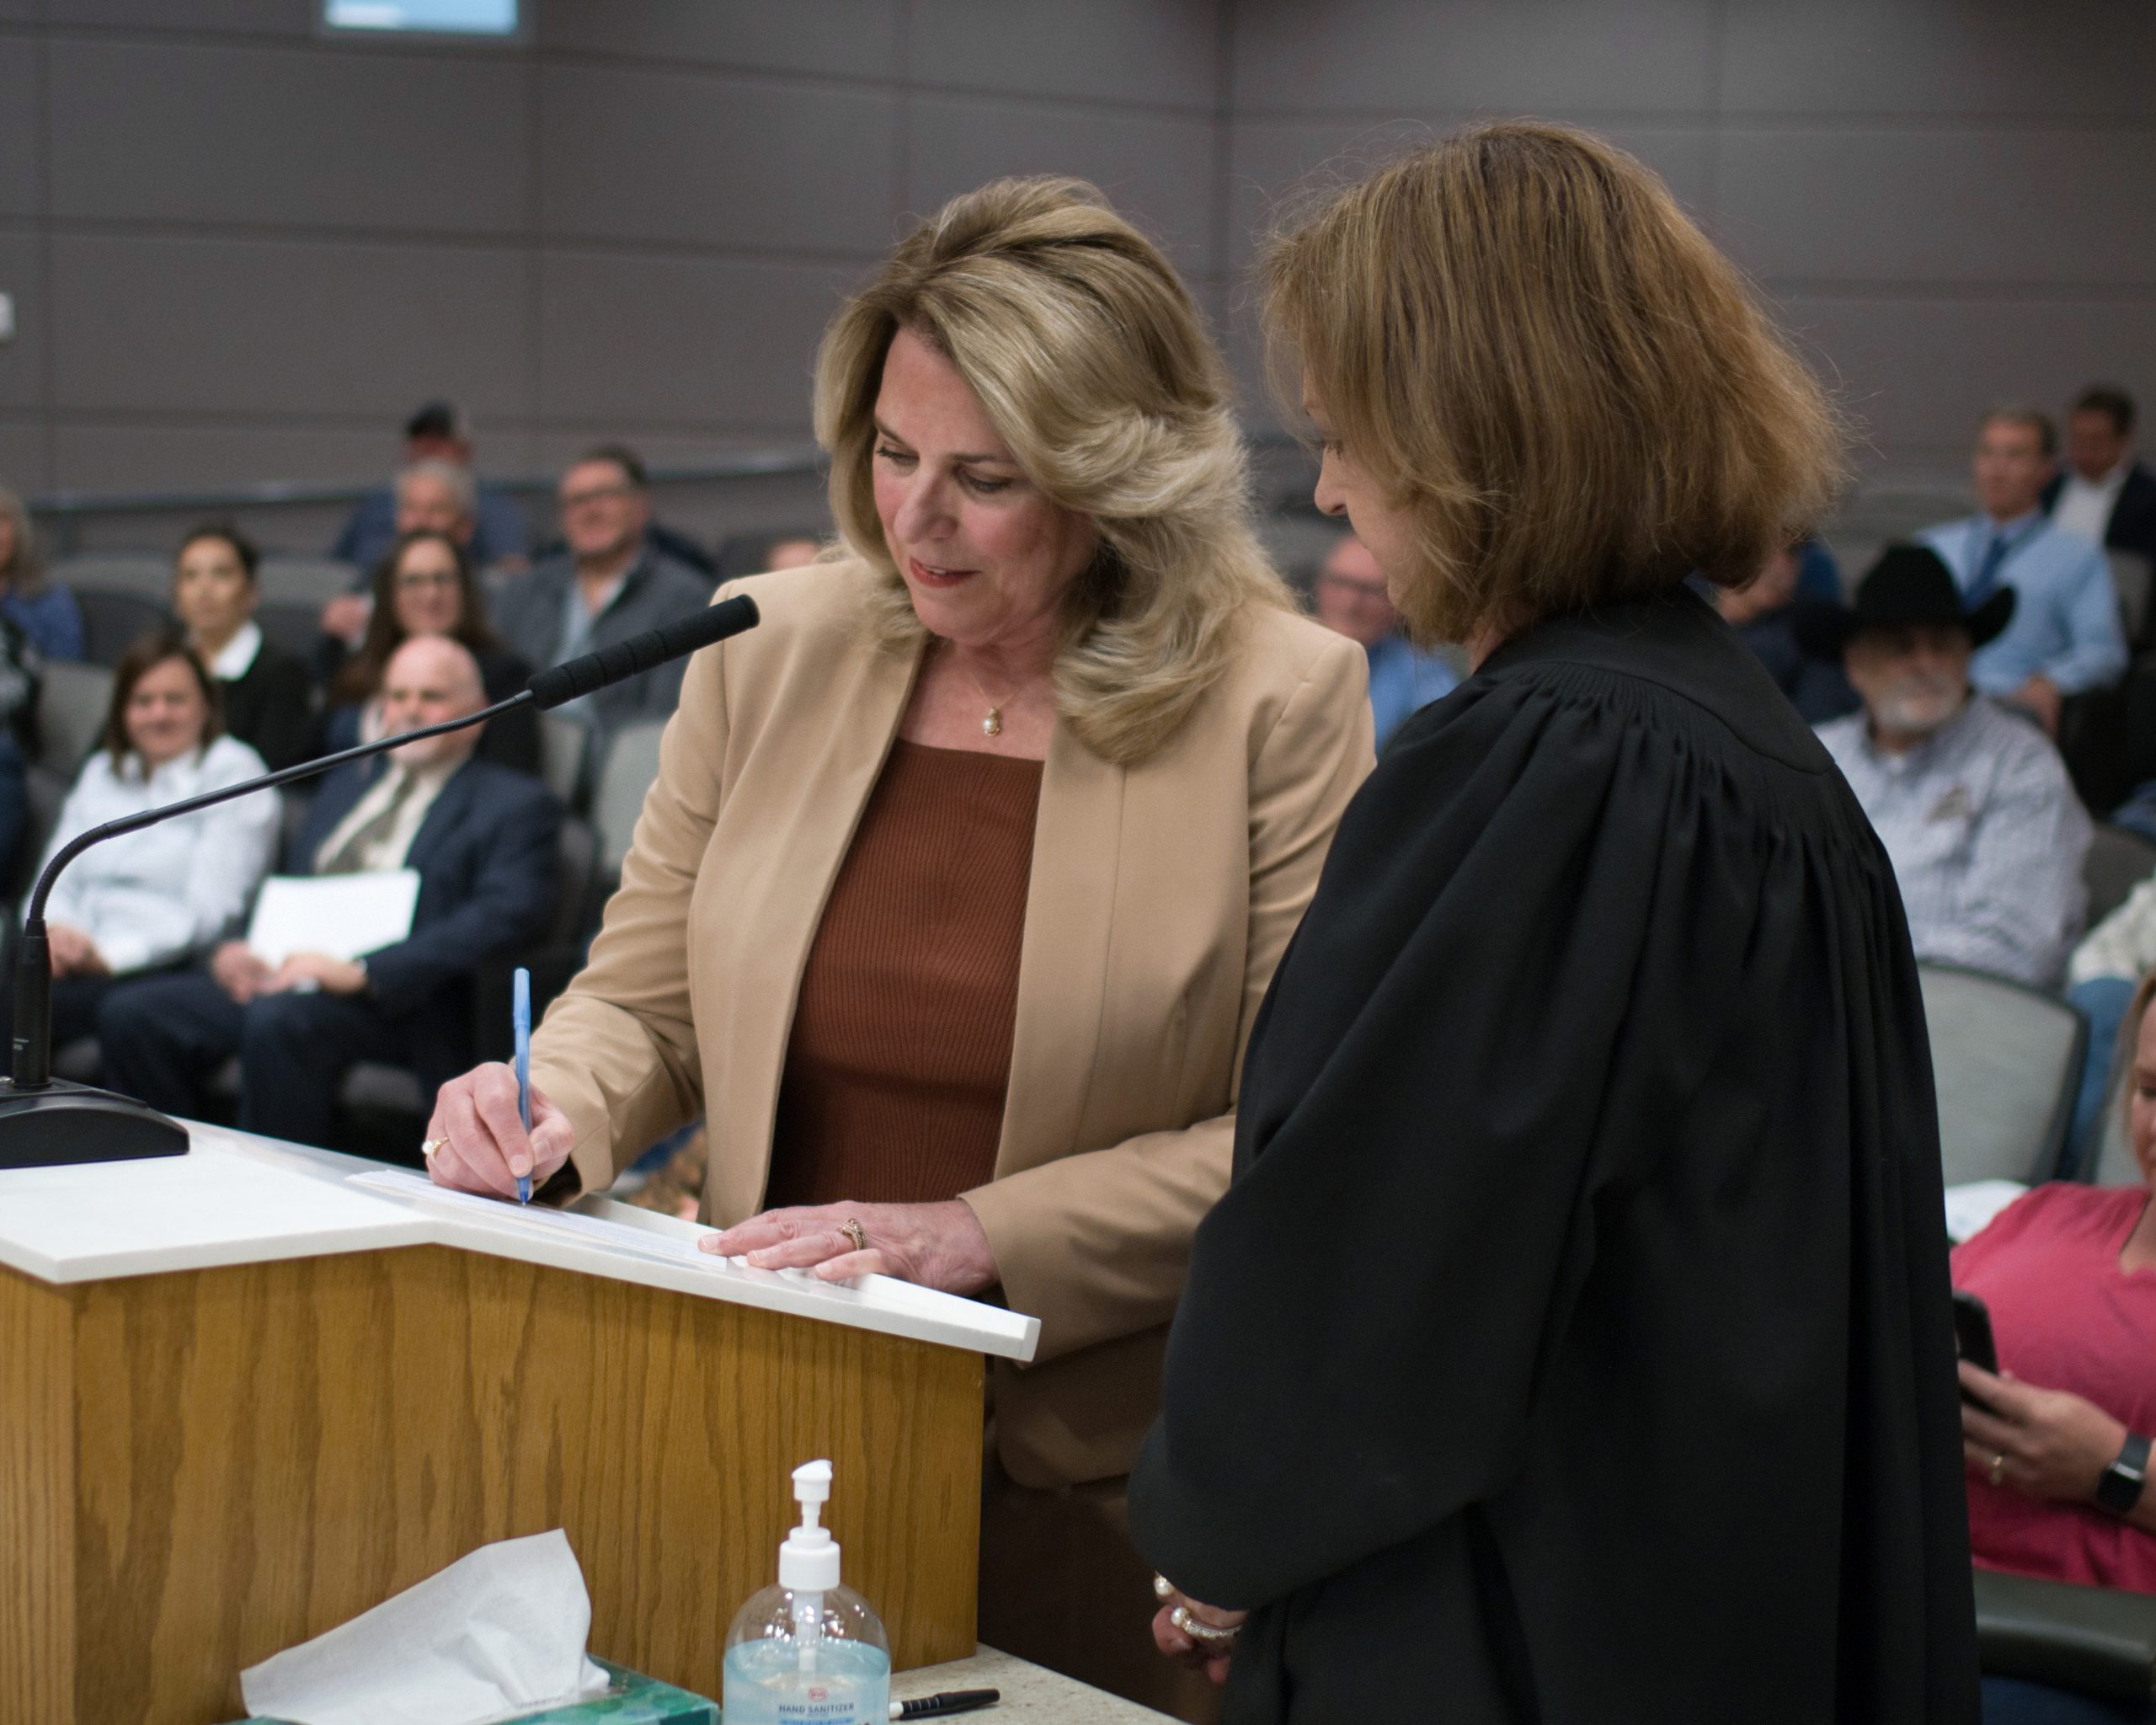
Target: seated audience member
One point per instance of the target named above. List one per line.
(483, 840)
(436, 433)
(2105, 493)
(148, 900)
(2065, 637)
(1350, 598)
(2100, 979)
(1972, 802)
(1769, 617)
(794, 552)
(609, 585)
(432, 497)
(42, 610)
(267, 697)
(426, 586)
(2068, 1274)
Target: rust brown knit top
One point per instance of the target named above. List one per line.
(900, 1055)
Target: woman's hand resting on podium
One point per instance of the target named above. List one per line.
(940, 1245)
(483, 1146)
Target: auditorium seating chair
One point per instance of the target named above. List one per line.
(2117, 862)
(2006, 1060)
(71, 700)
(113, 621)
(146, 574)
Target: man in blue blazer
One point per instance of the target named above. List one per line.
(483, 840)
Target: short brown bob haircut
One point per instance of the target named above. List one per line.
(143, 655)
(1520, 339)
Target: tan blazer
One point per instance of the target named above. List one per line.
(1160, 899)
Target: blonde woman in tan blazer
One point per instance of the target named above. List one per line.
(965, 873)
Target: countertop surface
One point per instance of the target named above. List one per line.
(236, 1199)
(1032, 1694)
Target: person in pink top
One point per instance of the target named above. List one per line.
(2070, 1275)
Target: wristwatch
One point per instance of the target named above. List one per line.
(2119, 1487)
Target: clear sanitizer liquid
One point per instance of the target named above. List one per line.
(808, 1651)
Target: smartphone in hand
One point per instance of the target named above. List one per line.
(1972, 1337)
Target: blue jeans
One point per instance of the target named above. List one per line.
(2104, 1000)
(2009, 1701)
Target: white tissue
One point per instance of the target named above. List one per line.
(500, 1631)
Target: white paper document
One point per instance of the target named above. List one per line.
(342, 914)
(499, 1632)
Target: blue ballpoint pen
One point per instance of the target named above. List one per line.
(521, 1008)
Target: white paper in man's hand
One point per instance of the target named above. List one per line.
(498, 1632)
(341, 915)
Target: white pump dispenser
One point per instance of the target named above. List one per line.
(809, 1649)
(810, 1558)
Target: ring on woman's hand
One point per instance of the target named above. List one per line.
(1204, 1634)
(1998, 1472)
(430, 1146)
(854, 1231)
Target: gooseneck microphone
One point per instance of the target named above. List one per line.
(46, 1120)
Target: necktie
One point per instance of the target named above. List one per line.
(1987, 578)
(348, 857)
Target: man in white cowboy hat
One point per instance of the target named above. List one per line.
(1972, 802)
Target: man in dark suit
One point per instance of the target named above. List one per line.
(2104, 493)
(483, 841)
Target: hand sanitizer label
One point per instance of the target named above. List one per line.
(816, 1704)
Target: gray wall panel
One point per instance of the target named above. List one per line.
(188, 132)
(1945, 207)
(620, 223)
(21, 148)
(1119, 50)
(1916, 372)
(253, 17)
(848, 38)
(274, 327)
(646, 342)
(1379, 56)
(1999, 57)
(1278, 167)
(22, 455)
(645, 155)
(22, 274)
(1155, 168)
(126, 457)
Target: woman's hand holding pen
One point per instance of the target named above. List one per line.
(482, 1145)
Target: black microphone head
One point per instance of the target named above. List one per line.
(576, 677)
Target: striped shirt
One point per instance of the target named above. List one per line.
(1985, 836)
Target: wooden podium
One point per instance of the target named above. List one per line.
(241, 1401)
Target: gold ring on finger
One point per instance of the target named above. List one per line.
(1998, 1469)
(430, 1146)
(854, 1231)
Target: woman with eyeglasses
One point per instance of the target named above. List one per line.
(426, 586)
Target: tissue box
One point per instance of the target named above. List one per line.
(631, 1699)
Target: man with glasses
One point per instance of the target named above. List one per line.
(608, 584)
(1350, 600)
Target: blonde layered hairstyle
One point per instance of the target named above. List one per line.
(1520, 339)
(1092, 363)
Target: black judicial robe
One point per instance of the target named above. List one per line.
(1573, 1344)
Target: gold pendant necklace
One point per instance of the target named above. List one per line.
(992, 725)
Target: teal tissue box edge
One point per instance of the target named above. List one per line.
(631, 1699)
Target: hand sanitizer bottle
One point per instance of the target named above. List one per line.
(808, 1651)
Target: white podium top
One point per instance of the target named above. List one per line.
(235, 1199)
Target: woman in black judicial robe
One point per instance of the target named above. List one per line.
(1574, 1342)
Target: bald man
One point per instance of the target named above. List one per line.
(483, 841)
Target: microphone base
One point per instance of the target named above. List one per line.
(66, 1124)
